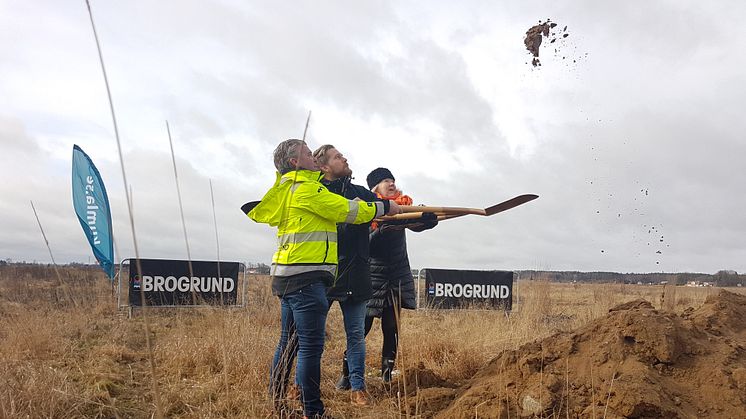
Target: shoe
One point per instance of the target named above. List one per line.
(387, 367)
(343, 383)
(324, 415)
(344, 380)
(293, 393)
(359, 398)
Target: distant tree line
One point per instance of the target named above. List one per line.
(724, 278)
(255, 267)
(258, 268)
(10, 263)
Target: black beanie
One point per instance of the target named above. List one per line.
(376, 176)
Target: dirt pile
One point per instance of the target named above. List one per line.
(636, 362)
(422, 377)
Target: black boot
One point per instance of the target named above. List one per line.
(344, 381)
(387, 366)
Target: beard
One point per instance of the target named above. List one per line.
(336, 174)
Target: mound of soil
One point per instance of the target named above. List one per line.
(636, 362)
(422, 377)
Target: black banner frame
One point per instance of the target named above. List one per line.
(448, 303)
(240, 294)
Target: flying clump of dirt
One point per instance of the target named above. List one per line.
(636, 362)
(535, 35)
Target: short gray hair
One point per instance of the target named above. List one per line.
(320, 154)
(285, 151)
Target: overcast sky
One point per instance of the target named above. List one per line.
(634, 140)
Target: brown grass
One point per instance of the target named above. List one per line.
(59, 360)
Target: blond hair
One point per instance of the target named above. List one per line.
(320, 154)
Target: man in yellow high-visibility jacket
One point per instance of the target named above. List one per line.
(305, 262)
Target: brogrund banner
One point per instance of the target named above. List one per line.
(166, 282)
(450, 288)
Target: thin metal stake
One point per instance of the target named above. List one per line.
(222, 300)
(217, 239)
(59, 277)
(146, 323)
(277, 394)
(181, 211)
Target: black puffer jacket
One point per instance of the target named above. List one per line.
(389, 266)
(353, 271)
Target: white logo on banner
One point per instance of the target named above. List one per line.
(471, 290)
(185, 284)
(91, 209)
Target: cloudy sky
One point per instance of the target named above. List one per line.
(631, 132)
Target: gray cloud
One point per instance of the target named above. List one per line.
(643, 132)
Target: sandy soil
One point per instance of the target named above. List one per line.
(636, 362)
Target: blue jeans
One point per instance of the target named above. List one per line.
(303, 326)
(353, 314)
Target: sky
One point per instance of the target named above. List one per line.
(631, 131)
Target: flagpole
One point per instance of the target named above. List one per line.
(154, 378)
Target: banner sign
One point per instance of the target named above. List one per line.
(448, 288)
(92, 208)
(169, 283)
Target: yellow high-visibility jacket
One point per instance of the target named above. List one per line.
(306, 215)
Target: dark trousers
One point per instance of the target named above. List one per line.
(389, 329)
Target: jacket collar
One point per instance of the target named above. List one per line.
(339, 185)
(338, 181)
(302, 175)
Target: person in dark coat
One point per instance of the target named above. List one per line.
(352, 287)
(391, 275)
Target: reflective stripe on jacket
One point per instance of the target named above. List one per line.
(305, 214)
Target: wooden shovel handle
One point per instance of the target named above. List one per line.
(444, 210)
(406, 216)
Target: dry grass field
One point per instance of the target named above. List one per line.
(85, 358)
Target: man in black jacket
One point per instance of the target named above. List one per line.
(352, 287)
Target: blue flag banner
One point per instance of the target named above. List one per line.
(92, 208)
